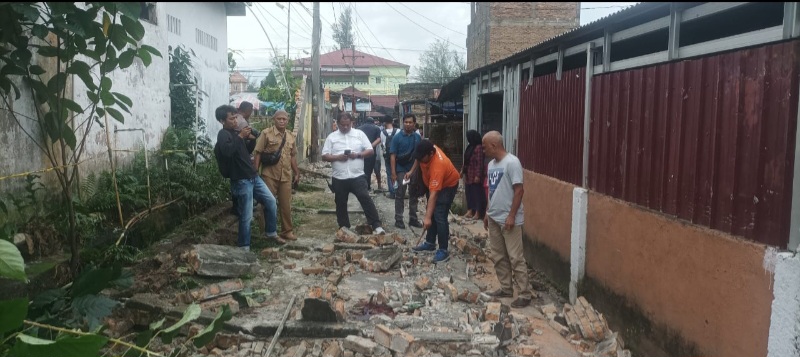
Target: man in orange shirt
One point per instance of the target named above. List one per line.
(441, 178)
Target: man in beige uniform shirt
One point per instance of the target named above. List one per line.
(278, 177)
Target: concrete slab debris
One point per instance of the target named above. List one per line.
(221, 261)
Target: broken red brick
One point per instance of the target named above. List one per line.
(295, 254)
(214, 305)
(289, 266)
(328, 248)
(423, 283)
(313, 270)
(211, 291)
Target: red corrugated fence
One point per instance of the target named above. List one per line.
(709, 140)
(550, 138)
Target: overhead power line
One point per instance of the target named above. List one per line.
(426, 18)
(423, 27)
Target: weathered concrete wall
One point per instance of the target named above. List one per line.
(211, 66)
(500, 29)
(709, 288)
(148, 88)
(548, 220)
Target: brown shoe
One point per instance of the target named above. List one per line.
(500, 293)
(520, 302)
(289, 236)
(277, 239)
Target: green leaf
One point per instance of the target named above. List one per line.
(145, 56)
(192, 313)
(40, 31)
(115, 114)
(47, 51)
(52, 126)
(14, 70)
(47, 297)
(64, 346)
(28, 10)
(108, 65)
(207, 334)
(69, 137)
(57, 83)
(3, 207)
(94, 308)
(93, 281)
(101, 112)
(126, 58)
(118, 36)
(71, 105)
(11, 264)
(105, 84)
(157, 325)
(36, 70)
(13, 313)
(83, 71)
(133, 27)
(123, 98)
(107, 98)
(92, 96)
(125, 280)
(151, 49)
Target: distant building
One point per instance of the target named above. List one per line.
(373, 75)
(500, 29)
(238, 83)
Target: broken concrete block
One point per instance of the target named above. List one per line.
(561, 329)
(211, 291)
(221, 261)
(355, 256)
(214, 305)
(381, 259)
(295, 254)
(319, 310)
(334, 278)
(527, 349)
(359, 345)
(467, 296)
(401, 341)
(382, 335)
(549, 311)
(314, 270)
(423, 283)
(345, 235)
(333, 350)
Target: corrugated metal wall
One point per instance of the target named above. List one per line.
(709, 140)
(551, 125)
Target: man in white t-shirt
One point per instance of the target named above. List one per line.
(346, 149)
(504, 219)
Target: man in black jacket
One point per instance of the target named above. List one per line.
(233, 157)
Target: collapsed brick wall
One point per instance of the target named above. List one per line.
(500, 29)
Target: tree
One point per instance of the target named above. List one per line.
(88, 42)
(274, 86)
(439, 64)
(231, 60)
(343, 29)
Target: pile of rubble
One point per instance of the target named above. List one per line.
(586, 328)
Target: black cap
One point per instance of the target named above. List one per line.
(424, 148)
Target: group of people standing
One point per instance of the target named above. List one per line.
(412, 164)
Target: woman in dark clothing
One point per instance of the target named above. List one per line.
(474, 171)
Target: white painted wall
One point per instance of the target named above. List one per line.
(148, 88)
(785, 319)
(211, 65)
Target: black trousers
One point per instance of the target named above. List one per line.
(369, 167)
(358, 187)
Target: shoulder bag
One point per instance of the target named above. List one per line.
(270, 159)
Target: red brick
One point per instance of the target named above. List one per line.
(313, 270)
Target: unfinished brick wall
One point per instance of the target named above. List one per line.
(500, 29)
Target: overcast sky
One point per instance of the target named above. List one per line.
(399, 31)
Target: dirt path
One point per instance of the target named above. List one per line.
(442, 326)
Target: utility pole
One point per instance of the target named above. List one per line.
(288, 24)
(353, 80)
(319, 123)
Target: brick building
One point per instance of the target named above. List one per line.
(500, 29)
